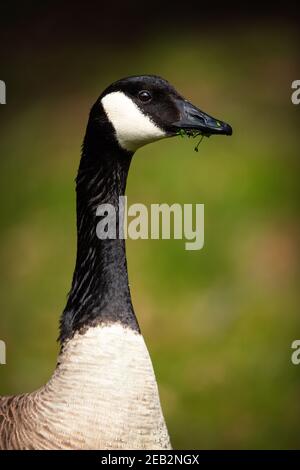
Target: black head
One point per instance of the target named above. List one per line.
(146, 108)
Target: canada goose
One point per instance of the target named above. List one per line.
(103, 393)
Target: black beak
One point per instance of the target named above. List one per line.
(193, 119)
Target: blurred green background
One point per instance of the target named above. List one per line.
(219, 322)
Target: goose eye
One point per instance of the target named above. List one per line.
(144, 96)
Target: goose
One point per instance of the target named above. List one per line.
(103, 393)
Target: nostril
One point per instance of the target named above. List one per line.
(198, 117)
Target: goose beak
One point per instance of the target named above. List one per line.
(193, 119)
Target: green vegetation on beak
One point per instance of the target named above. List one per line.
(192, 133)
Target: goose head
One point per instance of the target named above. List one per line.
(146, 108)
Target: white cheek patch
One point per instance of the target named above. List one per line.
(133, 128)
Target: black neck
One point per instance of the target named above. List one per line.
(100, 291)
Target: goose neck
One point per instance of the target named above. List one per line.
(100, 290)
